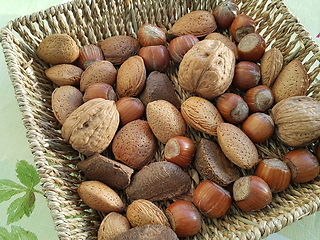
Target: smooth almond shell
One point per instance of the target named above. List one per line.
(292, 81)
(237, 146)
(142, 212)
(203, 23)
(100, 197)
(112, 226)
(201, 114)
(165, 120)
(64, 74)
(98, 72)
(131, 77)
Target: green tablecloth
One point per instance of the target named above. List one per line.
(14, 147)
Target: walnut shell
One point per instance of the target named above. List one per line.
(92, 126)
(131, 77)
(207, 69)
(297, 120)
(198, 23)
(271, 65)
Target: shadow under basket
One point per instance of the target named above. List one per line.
(89, 21)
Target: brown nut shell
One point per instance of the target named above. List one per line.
(207, 69)
(271, 65)
(117, 49)
(135, 144)
(292, 81)
(158, 86)
(201, 114)
(211, 163)
(226, 41)
(131, 77)
(92, 126)
(297, 120)
(159, 181)
(100, 197)
(64, 101)
(58, 48)
(142, 212)
(98, 72)
(147, 232)
(64, 74)
(165, 120)
(203, 23)
(112, 173)
(112, 226)
(237, 146)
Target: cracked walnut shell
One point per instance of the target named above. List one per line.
(207, 69)
(92, 126)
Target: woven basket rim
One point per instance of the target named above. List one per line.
(36, 138)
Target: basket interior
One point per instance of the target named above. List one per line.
(93, 20)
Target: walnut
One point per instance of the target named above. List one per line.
(207, 69)
(92, 126)
(297, 120)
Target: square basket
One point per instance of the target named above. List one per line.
(88, 21)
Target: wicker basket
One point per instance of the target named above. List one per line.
(89, 21)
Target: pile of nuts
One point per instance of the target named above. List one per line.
(116, 95)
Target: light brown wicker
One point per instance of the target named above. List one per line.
(89, 21)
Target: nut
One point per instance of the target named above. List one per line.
(201, 114)
(135, 144)
(142, 212)
(297, 120)
(237, 146)
(64, 74)
(203, 23)
(207, 69)
(271, 65)
(117, 49)
(98, 72)
(92, 126)
(112, 226)
(58, 48)
(159, 181)
(131, 77)
(292, 81)
(165, 120)
(64, 101)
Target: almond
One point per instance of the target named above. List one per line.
(292, 81)
(165, 120)
(58, 48)
(142, 212)
(198, 23)
(117, 49)
(201, 114)
(98, 72)
(237, 146)
(64, 74)
(131, 77)
(112, 226)
(271, 65)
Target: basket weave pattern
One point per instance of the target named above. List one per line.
(93, 20)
